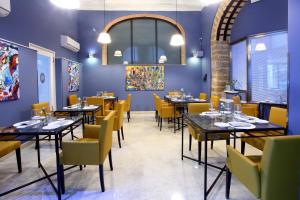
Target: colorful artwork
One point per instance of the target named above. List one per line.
(74, 76)
(9, 72)
(144, 78)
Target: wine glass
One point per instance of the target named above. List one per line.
(228, 107)
(211, 107)
(237, 109)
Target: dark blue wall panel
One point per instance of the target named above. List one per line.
(14, 111)
(112, 78)
(294, 49)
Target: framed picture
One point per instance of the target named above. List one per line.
(74, 76)
(9, 72)
(143, 78)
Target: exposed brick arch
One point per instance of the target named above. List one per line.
(220, 40)
(139, 16)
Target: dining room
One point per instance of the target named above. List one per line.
(168, 99)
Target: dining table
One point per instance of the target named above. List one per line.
(43, 127)
(216, 123)
(181, 102)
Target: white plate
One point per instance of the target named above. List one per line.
(261, 121)
(221, 124)
(38, 117)
(214, 113)
(24, 124)
(242, 125)
(57, 124)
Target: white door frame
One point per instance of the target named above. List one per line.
(51, 54)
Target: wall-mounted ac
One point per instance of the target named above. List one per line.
(69, 43)
(4, 8)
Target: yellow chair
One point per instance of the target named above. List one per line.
(92, 149)
(202, 96)
(215, 100)
(250, 107)
(73, 99)
(118, 120)
(277, 116)
(197, 108)
(127, 106)
(155, 106)
(236, 99)
(272, 176)
(165, 111)
(38, 107)
(98, 101)
(174, 93)
(7, 147)
(108, 94)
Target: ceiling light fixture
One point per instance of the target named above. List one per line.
(177, 39)
(104, 37)
(162, 59)
(118, 53)
(260, 47)
(66, 4)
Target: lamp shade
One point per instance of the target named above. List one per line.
(118, 53)
(260, 47)
(163, 59)
(67, 4)
(177, 40)
(104, 38)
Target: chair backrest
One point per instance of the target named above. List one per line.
(280, 168)
(98, 101)
(105, 136)
(250, 111)
(173, 93)
(119, 115)
(155, 101)
(108, 94)
(128, 103)
(202, 95)
(37, 108)
(215, 100)
(73, 99)
(236, 99)
(278, 116)
(198, 107)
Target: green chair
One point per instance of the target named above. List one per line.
(273, 176)
(92, 149)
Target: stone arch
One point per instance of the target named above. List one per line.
(150, 16)
(220, 43)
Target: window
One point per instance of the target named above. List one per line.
(269, 67)
(142, 41)
(265, 76)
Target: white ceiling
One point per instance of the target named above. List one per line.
(142, 5)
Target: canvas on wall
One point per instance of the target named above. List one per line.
(141, 78)
(74, 76)
(9, 72)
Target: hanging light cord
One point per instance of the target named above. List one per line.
(176, 12)
(104, 13)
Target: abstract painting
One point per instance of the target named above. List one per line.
(139, 78)
(74, 76)
(9, 72)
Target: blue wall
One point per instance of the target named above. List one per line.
(261, 17)
(112, 78)
(14, 111)
(41, 23)
(294, 49)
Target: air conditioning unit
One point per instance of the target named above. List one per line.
(69, 43)
(4, 8)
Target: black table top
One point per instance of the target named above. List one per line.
(184, 100)
(206, 124)
(72, 109)
(37, 129)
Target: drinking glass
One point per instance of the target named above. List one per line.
(237, 108)
(211, 107)
(228, 107)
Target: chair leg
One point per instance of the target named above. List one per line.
(119, 139)
(228, 182)
(128, 116)
(49, 138)
(122, 132)
(212, 144)
(158, 121)
(80, 167)
(199, 152)
(190, 143)
(101, 178)
(62, 179)
(110, 160)
(178, 122)
(243, 144)
(161, 120)
(19, 161)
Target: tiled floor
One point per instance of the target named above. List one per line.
(148, 167)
